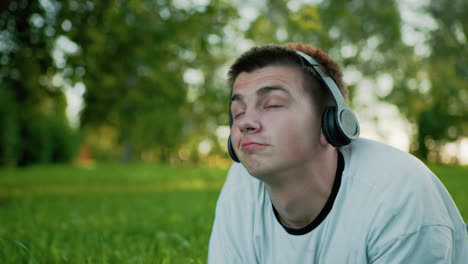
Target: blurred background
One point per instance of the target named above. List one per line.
(144, 80)
(114, 113)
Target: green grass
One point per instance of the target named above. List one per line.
(109, 214)
(455, 179)
(123, 214)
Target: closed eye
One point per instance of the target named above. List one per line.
(238, 115)
(273, 106)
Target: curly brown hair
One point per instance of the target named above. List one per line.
(283, 55)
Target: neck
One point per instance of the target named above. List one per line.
(302, 192)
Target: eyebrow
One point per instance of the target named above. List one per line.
(260, 92)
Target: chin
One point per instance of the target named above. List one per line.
(258, 171)
(262, 167)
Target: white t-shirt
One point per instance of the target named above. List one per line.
(386, 207)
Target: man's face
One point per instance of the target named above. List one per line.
(275, 127)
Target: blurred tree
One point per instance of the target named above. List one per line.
(135, 54)
(438, 108)
(132, 57)
(152, 78)
(33, 126)
(366, 36)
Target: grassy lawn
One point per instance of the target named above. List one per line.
(108, 214)
(455, 180)
(123, 214)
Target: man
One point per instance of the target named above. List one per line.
(307, 189)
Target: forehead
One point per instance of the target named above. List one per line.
(288, 77)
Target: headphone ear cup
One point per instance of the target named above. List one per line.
(231, 151)
(331, 130)
(327, 125)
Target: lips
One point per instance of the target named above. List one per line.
(251, 145)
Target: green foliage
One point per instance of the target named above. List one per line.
(123, 214)
(132, 56)
(439, 109)
(9, 130)
(32, 108)
(135, 54)
(46, 139)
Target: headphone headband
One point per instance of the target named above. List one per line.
(329, 83)
(346, 121)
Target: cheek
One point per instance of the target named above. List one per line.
(296, 135)
(235, 136)
(293, 141)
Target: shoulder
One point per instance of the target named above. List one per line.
(377, 155)
(400, 185)
(407, 200)
(391, 175)
(381, 166)
(407, 195)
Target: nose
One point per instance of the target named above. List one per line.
(250, 123)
